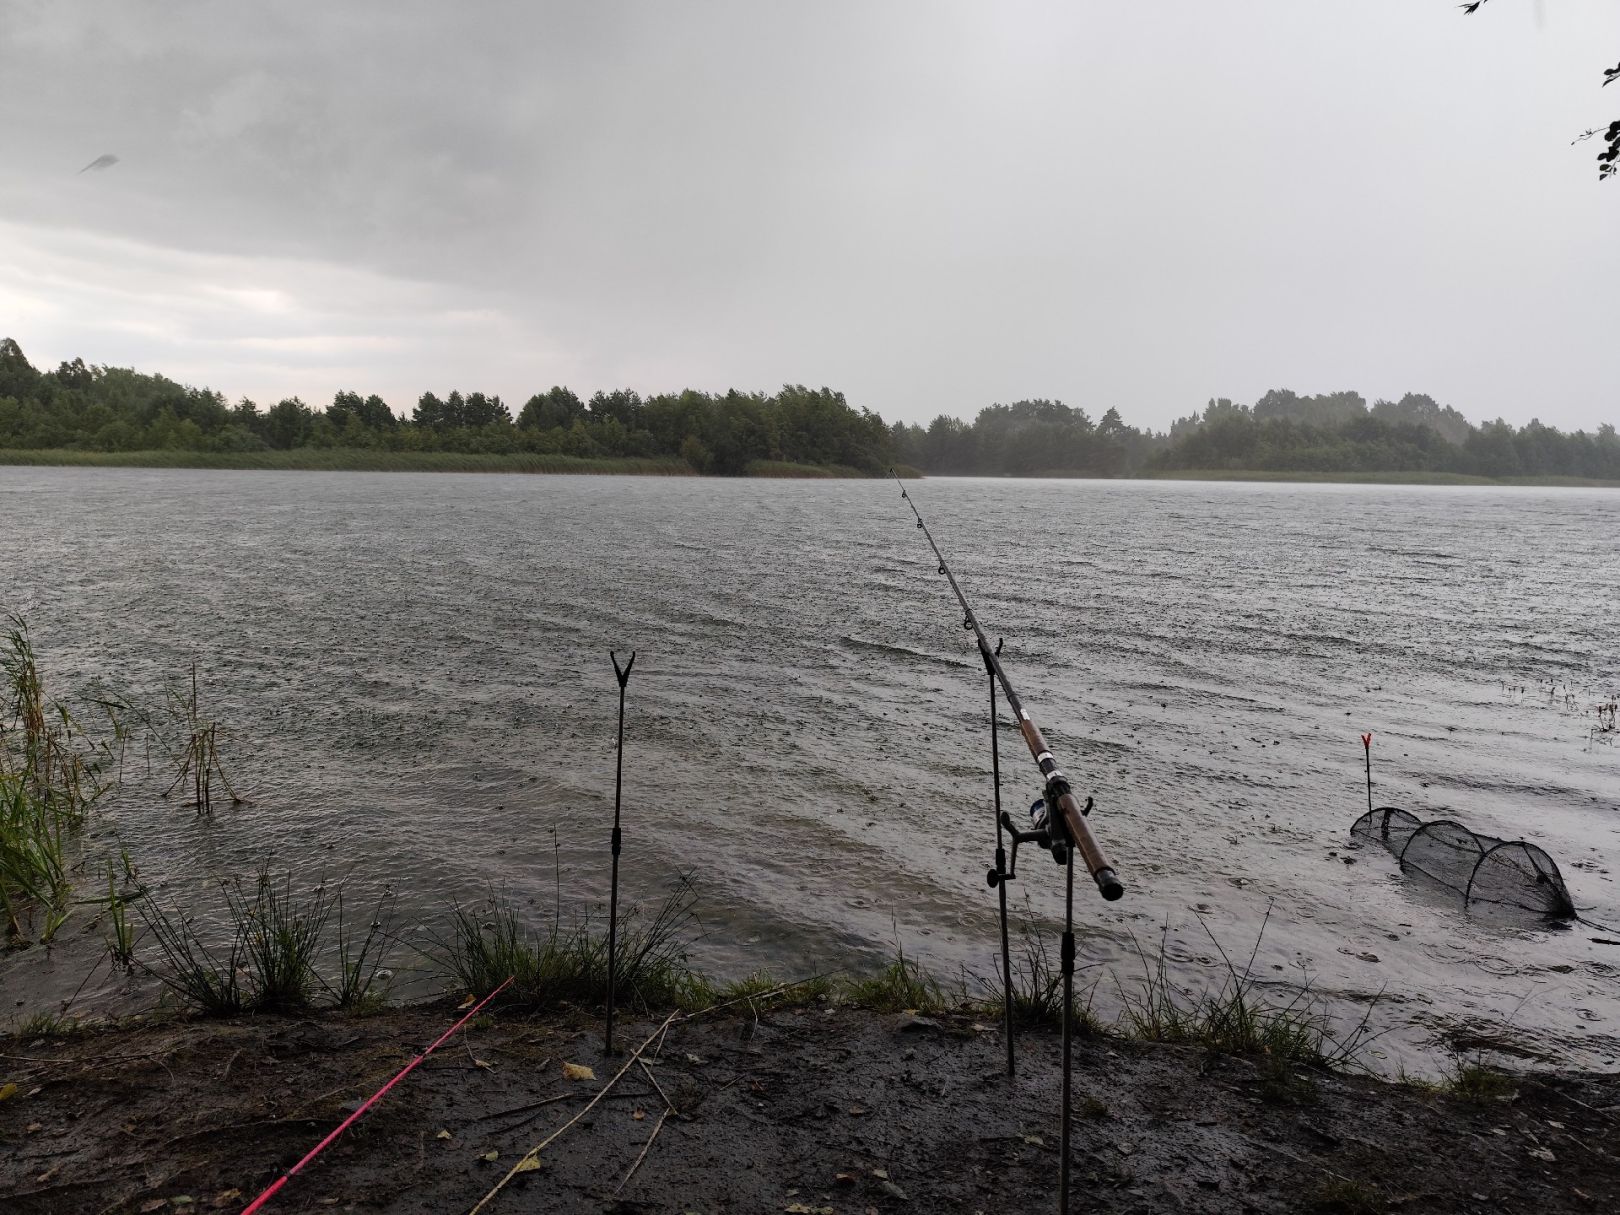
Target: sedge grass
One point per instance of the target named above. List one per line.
(569, 964)
(202, 979)
(1238, 1018)
(1037, 986)
(904, 985)
(277, 936)
(361, 979)
(282, 933)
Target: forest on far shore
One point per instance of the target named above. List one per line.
(99, 409)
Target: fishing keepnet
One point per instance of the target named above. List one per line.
(1482, 870)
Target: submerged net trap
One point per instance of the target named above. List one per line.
(1481, 868)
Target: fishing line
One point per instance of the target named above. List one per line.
(370, 1101)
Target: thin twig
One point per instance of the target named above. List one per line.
(645, 1148)
(657, 1085)
(534, 1152)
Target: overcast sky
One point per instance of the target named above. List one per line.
(928, 206)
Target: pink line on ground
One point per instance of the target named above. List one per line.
(370, 1101)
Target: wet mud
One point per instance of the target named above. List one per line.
(817, 1109)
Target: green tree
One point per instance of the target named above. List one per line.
(288, 423)
(549, 410)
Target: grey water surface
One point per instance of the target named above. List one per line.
(412, 675)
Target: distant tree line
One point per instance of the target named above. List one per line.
(116, 409)
(1026, 439)
(1281, 432)
(1337, 432)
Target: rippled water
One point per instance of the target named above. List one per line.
(414, 673)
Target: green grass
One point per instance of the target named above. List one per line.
(277, 940)
(1239, 1019)
(121, 945)
(786, 468)
(1037, 986)
(282, 933)
(901, 986)
(204, 981)
(569, 965)
(44, 1025)
(360, 986)
(1477, 1084)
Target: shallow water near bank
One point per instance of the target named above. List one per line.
(413, 675)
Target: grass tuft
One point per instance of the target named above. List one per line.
(1477, 1084)
(121, 945)
(1238, 1018)
(203, 981)
(277, 938)
(281, 934)
(44, 1025)
(901, 986)
(362, 982)
(570, 965)
(1037, 986)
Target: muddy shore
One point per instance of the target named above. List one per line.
(817, 1109)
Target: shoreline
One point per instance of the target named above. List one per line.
(818, 1107)
(535, 463)
(376, 460)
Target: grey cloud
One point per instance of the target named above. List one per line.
(931, 206)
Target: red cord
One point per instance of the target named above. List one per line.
(370, 1101)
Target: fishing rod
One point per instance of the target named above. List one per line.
(1063, 808)
(1059, 826)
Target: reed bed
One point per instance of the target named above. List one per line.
(50, 776)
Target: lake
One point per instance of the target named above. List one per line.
(412, 676)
